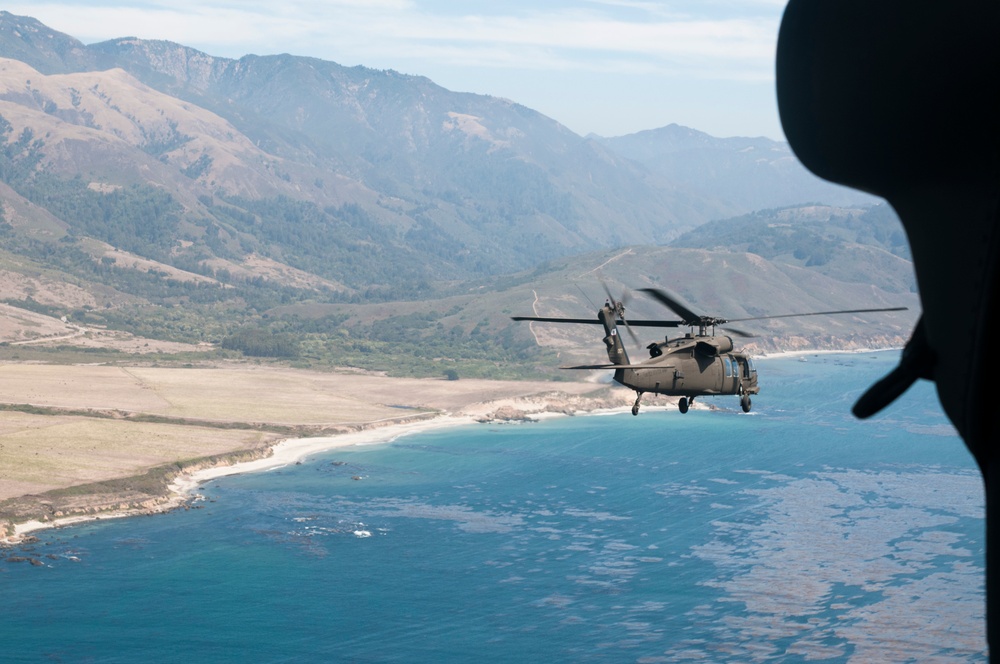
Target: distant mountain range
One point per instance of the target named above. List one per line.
(138, 173)
(745, 173)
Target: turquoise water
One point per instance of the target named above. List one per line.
(794, 533)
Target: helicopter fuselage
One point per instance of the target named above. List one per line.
(693, 366)
(690, 366)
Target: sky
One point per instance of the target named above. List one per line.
(607, 67)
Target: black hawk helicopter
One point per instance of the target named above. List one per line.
(697, 364)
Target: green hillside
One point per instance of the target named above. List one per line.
(163, 205)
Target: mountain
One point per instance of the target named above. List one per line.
(730, 284)
(449, 185)
(855, 245)
(289, 207)
(445, 173)
(742, 173)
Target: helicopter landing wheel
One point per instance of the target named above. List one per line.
(635, 406)
(745, 403)
(682, 405)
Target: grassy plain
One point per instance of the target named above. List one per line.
(100, 429)
(45, 452)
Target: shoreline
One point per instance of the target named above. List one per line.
(290, 451)
(182, 489)
(799, 353)
(285, 452)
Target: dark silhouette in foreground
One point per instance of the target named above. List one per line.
(900, 99)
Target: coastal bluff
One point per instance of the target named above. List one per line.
(93, 441)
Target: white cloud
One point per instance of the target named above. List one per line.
(400, 29)
(620, 50)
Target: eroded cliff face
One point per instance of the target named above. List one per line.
(150, 493)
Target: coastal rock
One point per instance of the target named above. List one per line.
(506, 414)
(523, 409)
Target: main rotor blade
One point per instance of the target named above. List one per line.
(821, 313)
(594, 321)
(689, 316)
(738, 332)
(672, 303)
(544, 319)
(620, 366)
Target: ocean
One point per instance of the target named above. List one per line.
(794, 533)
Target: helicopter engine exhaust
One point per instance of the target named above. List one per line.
(717, 346)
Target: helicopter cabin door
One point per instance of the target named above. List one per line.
(731, 375)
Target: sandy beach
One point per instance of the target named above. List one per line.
(290, 451)
(145, 438)
(285, 452)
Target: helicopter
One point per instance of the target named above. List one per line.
(697, 364)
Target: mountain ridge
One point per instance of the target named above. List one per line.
(195, 198)
(741, 171)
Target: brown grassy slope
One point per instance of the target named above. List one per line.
(94, 423)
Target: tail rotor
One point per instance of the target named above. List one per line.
(618, 306)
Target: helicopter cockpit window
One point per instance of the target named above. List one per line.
(732, 368)
(749, 368)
